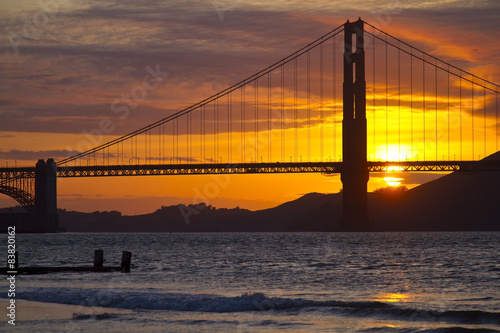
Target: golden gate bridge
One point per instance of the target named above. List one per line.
(354, 101)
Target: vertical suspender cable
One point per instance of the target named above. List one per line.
(173, 141)
(177, 141)
(163, 139)
(176, 120)
(472, 117)
(436, 91)
(423, 96)
(160, 144)
(269, 122)
(308, 106)
(203, 132)
(190, 129)
(386, 102)
(256, 113)
(448, 112)
(242, 136)
(334, 87)
(215, 132)
(321, 99)
(484, 118)
(282, 113)
(496, 118)
(295, 128)
(411, 102)
(229, 126)
(373, 97)
(218, 152)
(399, 102)
(243, 106)
(460, 101)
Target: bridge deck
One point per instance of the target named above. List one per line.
(249, 168)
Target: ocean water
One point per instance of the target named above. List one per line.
(277, 282)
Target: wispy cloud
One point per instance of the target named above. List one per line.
(26, 155)
(65, 78)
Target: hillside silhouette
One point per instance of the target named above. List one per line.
(458, 201)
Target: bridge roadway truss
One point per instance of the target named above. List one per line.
(10, 176)
(253, 168)
(19, 184)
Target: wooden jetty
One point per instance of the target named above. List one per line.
(97, 268)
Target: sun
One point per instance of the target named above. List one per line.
(393, 181)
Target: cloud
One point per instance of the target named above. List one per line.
(66, 77)
(28, 155)
(70, 118)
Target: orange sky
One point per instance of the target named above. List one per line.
(64, 75)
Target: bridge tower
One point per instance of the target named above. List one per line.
(354, 173)
(46, 195)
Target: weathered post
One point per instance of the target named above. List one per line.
(98, 258)
(126, 259)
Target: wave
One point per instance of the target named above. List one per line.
(248, 302)
(83, 316)
(459, 330)
(432, 330)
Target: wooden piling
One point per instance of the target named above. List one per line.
(126, 259)
(98, 266)
(98, 258)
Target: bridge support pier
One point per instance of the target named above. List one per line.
(46, 196)
(354, 173)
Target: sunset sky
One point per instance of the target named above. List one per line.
(66, 65)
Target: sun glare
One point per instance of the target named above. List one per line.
(393, 181)
(393, 297)
(394, 168)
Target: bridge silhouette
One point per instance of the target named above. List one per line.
(312, 111)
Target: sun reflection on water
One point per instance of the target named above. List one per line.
(393, 297)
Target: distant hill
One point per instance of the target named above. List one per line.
(309, 213)
(458, 201)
